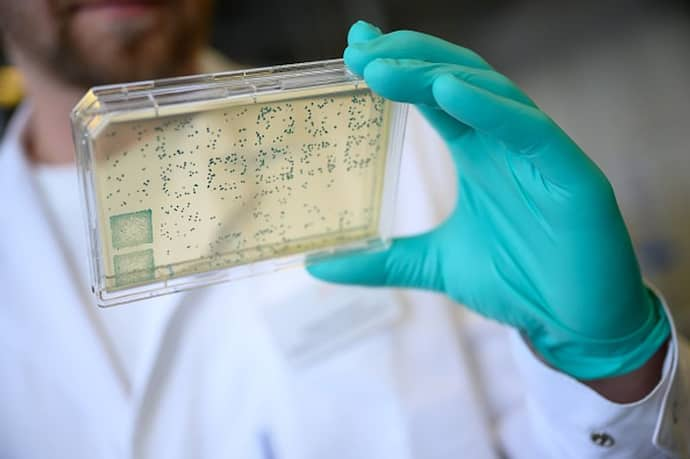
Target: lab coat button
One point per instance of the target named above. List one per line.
(602, 439)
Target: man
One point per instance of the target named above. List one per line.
(535, 242)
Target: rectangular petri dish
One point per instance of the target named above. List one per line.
(197, 180)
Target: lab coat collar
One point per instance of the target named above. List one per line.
(41, 300)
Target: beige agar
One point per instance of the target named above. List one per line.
(228, 184)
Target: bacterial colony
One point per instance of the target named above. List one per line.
(221, 187)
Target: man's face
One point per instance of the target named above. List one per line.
(90, 42)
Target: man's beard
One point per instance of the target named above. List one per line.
(84, 68)
(122, 51)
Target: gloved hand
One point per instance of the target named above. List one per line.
(536, 239)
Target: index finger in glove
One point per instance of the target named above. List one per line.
(406, 44)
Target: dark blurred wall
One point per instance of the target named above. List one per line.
(273, 31)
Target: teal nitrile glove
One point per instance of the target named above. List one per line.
(536, 239)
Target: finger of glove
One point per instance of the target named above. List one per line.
(408, 262)
(361, 32)
(447, 127)
(406, 82)
(530, 134)
(405, 44)
(518, 125)
(411, 80)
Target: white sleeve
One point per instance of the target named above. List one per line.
(573, 421)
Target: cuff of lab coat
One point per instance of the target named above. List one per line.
(572, 420)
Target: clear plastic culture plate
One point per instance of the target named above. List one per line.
(197, 180)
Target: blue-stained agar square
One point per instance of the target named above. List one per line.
(134, 268)
(131, 229)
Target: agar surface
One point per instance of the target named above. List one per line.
(228, 186)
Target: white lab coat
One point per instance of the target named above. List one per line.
(200, 374)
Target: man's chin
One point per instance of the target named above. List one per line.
(121, 41)
(129, 56)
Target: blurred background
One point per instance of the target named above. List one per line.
(614, 74)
